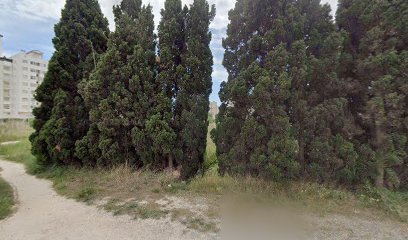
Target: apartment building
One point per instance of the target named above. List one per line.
(19, 77)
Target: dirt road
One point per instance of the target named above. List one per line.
(42, 214)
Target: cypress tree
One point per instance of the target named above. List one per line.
(61, 118)
(195, 87)
(294, 129)
(121, 94)
(172, 47)
(375, 53)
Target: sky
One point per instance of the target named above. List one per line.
(29, 25)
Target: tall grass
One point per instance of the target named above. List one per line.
(20, 152)
(14, 130)
(210, 158)
(6, 199)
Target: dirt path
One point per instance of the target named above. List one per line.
(42, 214)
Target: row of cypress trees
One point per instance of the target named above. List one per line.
(308, 98)
(112, 98)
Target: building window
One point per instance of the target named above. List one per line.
(35, 63)
(25, 76)
(25, 68)
(6, 106)
(7, 68)
(25, 91)
(25, 99)
(7, 99)
(25, 83)
(25, 61)
(6, 84)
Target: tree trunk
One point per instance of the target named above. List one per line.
(301, 154)
(379, 142)
(171, 164)
(379, 181)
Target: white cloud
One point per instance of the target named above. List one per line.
(32, 9)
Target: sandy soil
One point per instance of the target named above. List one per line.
(42, 214)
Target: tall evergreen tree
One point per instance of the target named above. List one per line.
(154, 140)
(195, 87)
(127, 104)
(287, 131)
(375, 59)
(61, 119)
(172, 47)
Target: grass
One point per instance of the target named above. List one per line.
(6, 199)
(122, 183)
(21, 153)
(135, 209)
(210, 158)
(14, 130)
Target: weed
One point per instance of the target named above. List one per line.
(201, 225)
(150, 211)
(135, 209)
(394, 203)
(6, 199)
(176, 187)
(14, 130)
(86, 194)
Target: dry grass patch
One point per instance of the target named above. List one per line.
(13, 130)
(135, 209)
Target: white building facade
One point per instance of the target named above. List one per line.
(20, 76)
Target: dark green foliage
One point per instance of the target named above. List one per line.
(132, 107)
(376, 55)
(185, 70)
(129, 110)
(172, 47)
(195, 88)
(283, 115)
(61, 119)
(337, 109)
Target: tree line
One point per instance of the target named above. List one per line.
(127, 97)
(310, 98)
(307, 97)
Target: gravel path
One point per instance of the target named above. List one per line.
(42, 214)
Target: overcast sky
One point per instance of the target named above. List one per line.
(28, 25)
